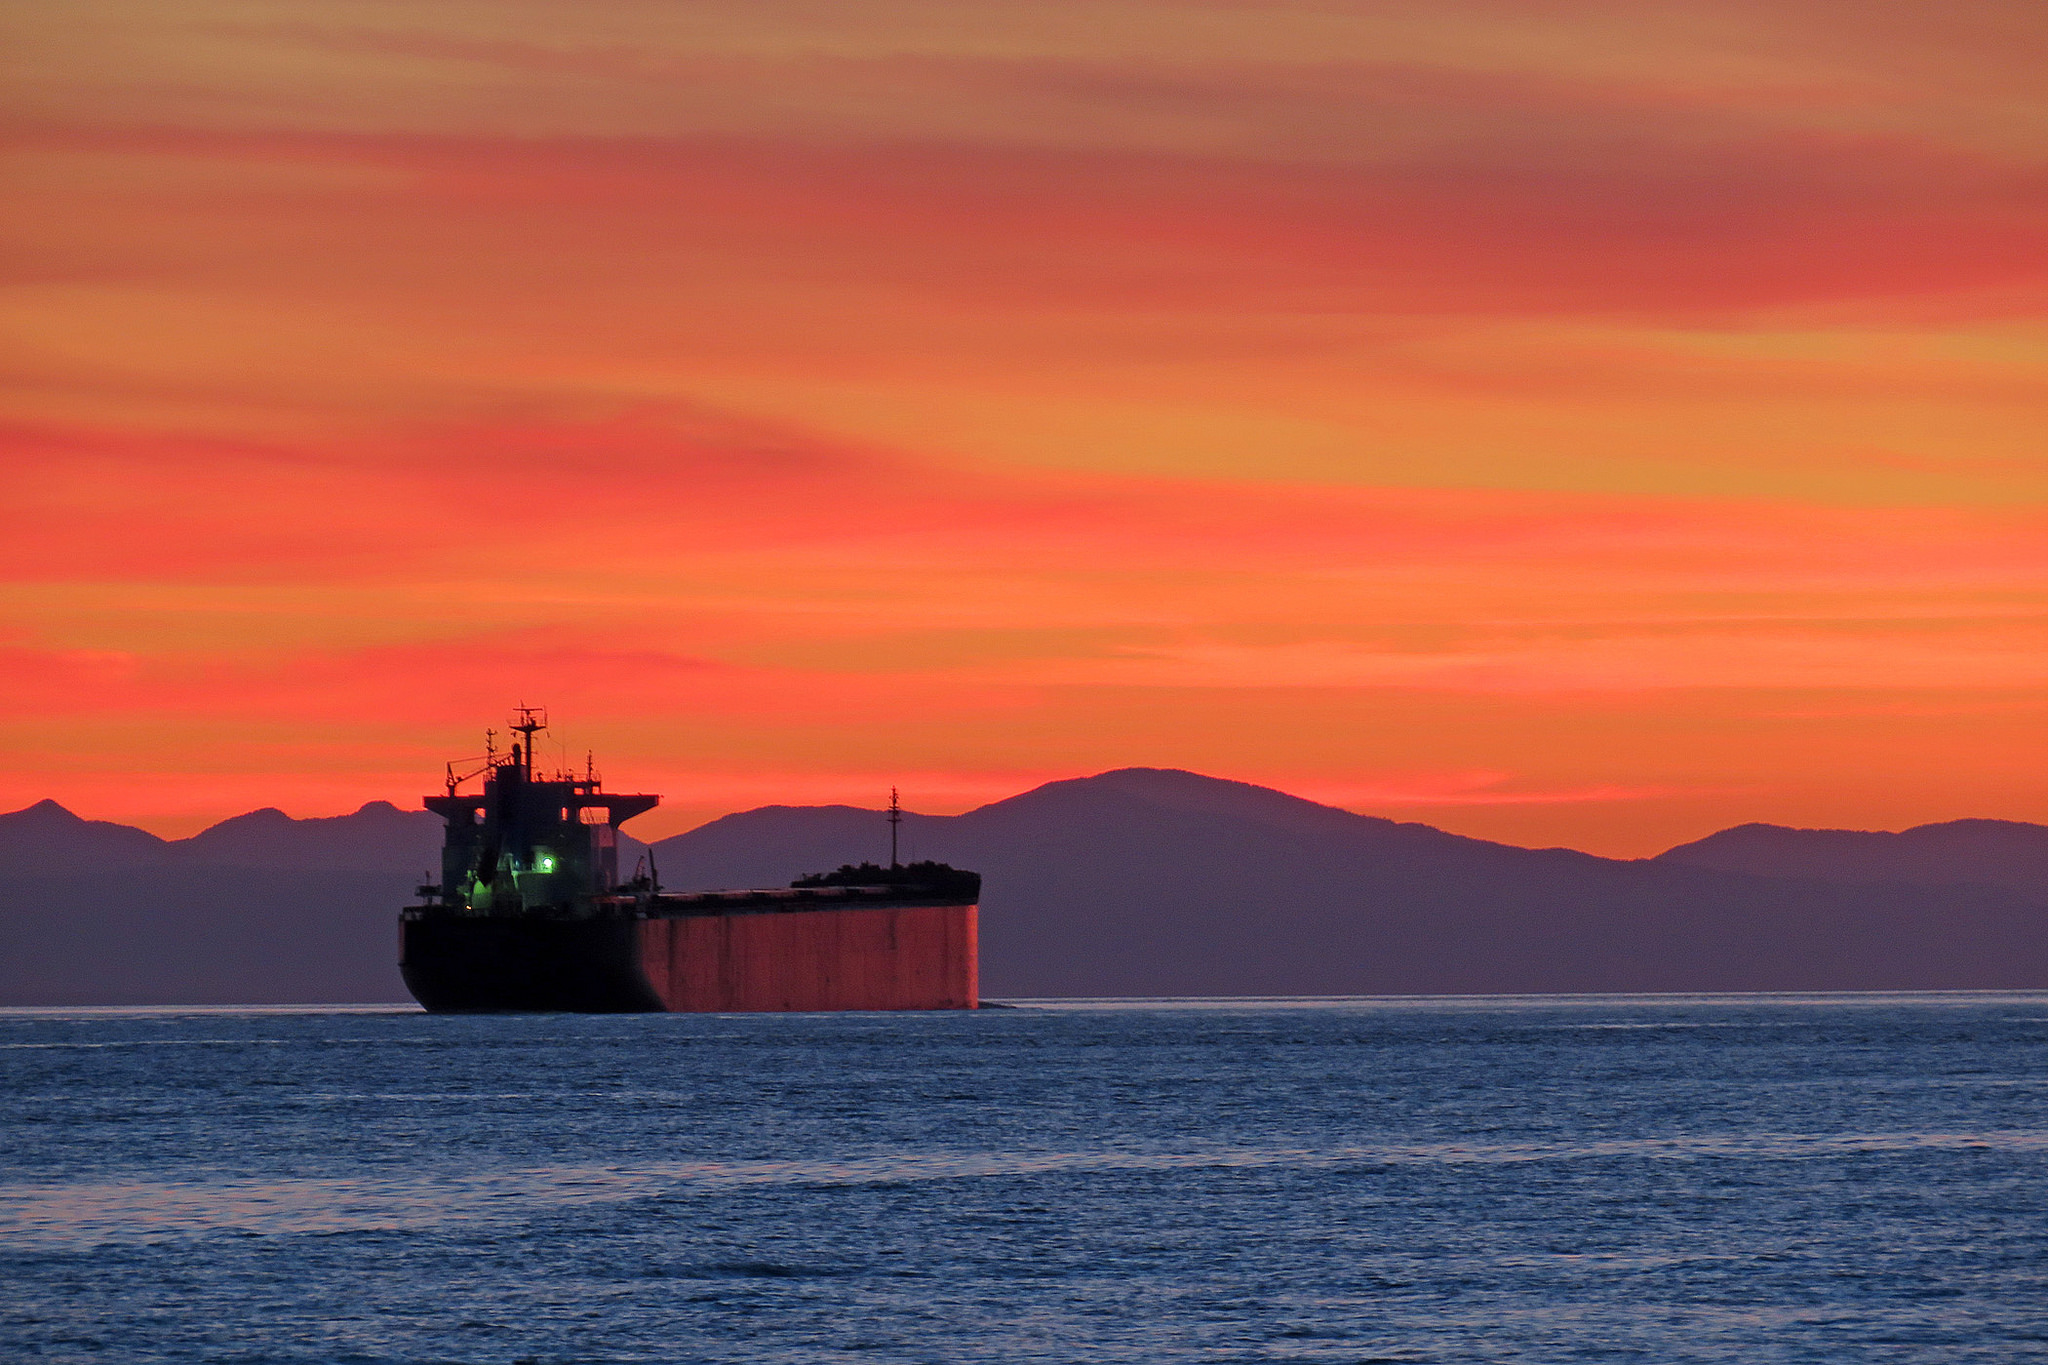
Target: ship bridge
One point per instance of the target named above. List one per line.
(529, 840)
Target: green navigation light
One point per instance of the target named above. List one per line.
(545, 863)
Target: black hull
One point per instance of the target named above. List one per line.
(460, 965)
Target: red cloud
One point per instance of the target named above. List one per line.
(1628, 219)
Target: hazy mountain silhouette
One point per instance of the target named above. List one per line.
(1147, 881)
(378, 838)
(260, 909)
(1959, 852)
(50, 840)
(1135, 882)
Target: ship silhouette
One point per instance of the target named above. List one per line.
(531, 914)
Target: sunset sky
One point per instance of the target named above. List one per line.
(1586, 423)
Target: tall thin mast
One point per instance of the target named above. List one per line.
(895, 819)
(526, 724)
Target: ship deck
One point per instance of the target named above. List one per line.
(765, 901)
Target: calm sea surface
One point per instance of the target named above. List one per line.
(1742, 1179)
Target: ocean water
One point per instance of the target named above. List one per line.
(1742, 1179)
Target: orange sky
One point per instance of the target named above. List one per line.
(1588, 423)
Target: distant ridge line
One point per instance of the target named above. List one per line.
(1134, 882)
(1711, 850)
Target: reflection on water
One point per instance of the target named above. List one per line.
(1716, 1179)
(84, 1214)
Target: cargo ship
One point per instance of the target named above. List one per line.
(531, 914)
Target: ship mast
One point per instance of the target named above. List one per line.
(895, 820)
(530, 719)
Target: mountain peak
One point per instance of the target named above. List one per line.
(47, 835)
(44, 811)
(2008, 853)
(378, 835)
(269, 817)
(1168, 785)
(1178, 790)
(1979, 825)
(1179, 780)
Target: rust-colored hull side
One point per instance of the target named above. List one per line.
(921, 957)
(885, 957)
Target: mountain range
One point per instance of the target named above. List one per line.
(1134, 882)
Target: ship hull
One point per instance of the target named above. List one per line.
(908, 957)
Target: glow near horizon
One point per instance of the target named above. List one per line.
(1591, 427)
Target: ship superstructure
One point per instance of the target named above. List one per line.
(528, 842)
(531, 914)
